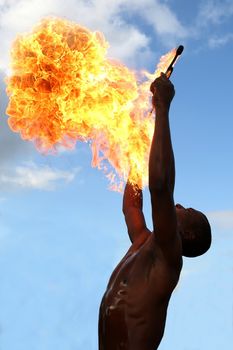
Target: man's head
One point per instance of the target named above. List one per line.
(194, 230)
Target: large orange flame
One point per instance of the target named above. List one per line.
(63, 89)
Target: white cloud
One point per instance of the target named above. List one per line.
(215, 11)
(211, 21)
(135, 41)
(125, 37)
(159, 16)
(222, 220)
(219, 41)
(31, 176)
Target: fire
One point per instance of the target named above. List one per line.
(64, 89)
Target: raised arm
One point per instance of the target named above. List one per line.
(132, 209)
(162, 170)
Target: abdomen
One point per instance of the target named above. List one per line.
(112, 326)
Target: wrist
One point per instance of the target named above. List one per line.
(162, 108)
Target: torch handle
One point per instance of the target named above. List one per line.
(169, 72)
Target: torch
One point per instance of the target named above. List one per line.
(179, 51)
(169, 70)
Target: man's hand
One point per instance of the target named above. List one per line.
(163, 92)
(132, 209)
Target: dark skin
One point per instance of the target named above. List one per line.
(133, 309)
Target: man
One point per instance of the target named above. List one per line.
(133, 309)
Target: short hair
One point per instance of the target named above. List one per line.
(197, 240)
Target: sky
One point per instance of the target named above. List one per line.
(62, 230)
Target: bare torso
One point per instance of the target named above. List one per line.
(133, 309)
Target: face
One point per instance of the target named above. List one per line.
(194, 231)
(186, 216)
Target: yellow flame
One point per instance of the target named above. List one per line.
(63, 89)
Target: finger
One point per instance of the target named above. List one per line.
(157, 81)
(152, 88)
(164, 76)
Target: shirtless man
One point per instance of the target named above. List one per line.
(133, 309)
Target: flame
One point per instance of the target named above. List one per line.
(64, 89)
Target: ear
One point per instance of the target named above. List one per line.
(189, 235)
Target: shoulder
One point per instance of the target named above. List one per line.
(145, 234)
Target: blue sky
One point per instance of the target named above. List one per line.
(62, 231)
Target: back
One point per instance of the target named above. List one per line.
(133, 308)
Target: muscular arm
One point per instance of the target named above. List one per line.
(132, 209)
(162, 170)
(161, 163)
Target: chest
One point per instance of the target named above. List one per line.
(142, 275)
